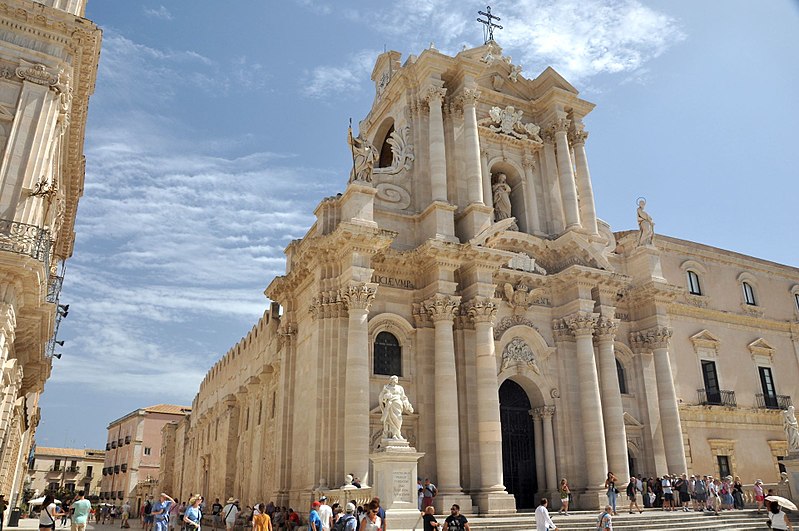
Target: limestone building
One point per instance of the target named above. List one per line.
(466, 257)
(66, 469)
(133, 452)
(48, 66)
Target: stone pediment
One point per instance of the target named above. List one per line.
(760, 348)
(631, 422)
(549, 78)
(704, 340)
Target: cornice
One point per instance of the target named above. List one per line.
(721, 316)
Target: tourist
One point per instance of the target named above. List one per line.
(279, 521)
(419, 494)
(612, 491)
(543, 522)
(565, 492)
(325, 514)
(347, 521)
(81, 508)
(370, 521)
(49, 511)
(738, 493)
(700, 493)
(714, 499)
(65, 512)
(668, 493)
(147, 517)
(429, 519)
(430, 492)
(293, 520)
(759, 496)
(777, 519)
(193, 517)
(683, 497)
(726, 493)
(261, 521)
(632, 496)
(230, 512)
(160, 512)
(456, 521)
(381, 513)
(125, 515)
(216, 514)
(314, 521)
(173, 516)
(604, 521)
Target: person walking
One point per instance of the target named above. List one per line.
(193, 517)
(261, 521)
(456, 521)
(49, 511)
(325, 514)
(612, 491)
(160, 512)
(347, 521)
(216, 514)
(543, 522)
(777, 518)
(314, 521)
(605, 521)
(429, 519)
(737, 493)
(632, 495)
(125, 515)
(565, 492)
(759, 496)
(81, 508)
(230, 512)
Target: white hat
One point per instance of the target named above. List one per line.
(350, 508)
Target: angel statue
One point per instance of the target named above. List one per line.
(364, 156)
(393, 403)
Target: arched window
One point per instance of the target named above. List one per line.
(622, 379)
(387, 355)
(693, 283)
(386, 155)
(749, 294)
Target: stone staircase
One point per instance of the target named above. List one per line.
(651, 519)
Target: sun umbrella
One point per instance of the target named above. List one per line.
(784, 502)
(39, 501)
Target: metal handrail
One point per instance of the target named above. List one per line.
(716, 397)
(773, 401)
(23, 238)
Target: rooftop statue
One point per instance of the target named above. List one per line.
(646, 226)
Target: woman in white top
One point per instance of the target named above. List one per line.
(49, 513)
(371, 522)
(779, 520)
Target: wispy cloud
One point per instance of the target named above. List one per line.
(159, 12)
(325, 81)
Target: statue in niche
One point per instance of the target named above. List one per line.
(646, 226)
(501, 194)
(791, 427)
(364, 156)
(393, 404)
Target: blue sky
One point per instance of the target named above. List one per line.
(216, 128)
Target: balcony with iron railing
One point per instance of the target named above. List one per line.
(25, 239)
(765, 401)
(72, 469)
(716, 397)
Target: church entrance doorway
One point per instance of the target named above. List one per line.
(518, 446)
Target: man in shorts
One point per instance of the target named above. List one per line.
(81, 508)
(668, 494)
(160, 512)
(216, 514)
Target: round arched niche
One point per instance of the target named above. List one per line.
(534, 393)
(380, 142)
(514, 177)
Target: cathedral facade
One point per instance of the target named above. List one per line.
(466, 257)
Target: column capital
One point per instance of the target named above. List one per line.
(578, 136)
(358, 296)
(561, 125)
(650, 339)
(481, 310)
(442, 307)
(434, 95)
(469, 96)
(581, 323)
(528, 161)
(543, 412)
(606, 328)
(561, 330)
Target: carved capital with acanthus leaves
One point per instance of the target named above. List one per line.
(606, 328)
(358, 296)
(434, 95)
(561, 330)
(578, 137)
(561, 125)
(528, 161)
(481, 310)
(470, 96)
(442, 307)
(582, 323)
(651, 339)
(543, 412)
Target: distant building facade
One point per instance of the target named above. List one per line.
(133, 451)
(48, 65)
(71, 469)
(465, 256)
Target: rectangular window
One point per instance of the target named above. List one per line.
(70, 487)
(711, 379)
(749, 294)
(53, 486)
(724, 465)
(767, 384)
(87, 487)
(57, 464)
(260, 408)
(147, 450)
(89, 471)
(693, 284)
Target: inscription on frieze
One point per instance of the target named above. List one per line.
(392, 282)
(402, 482)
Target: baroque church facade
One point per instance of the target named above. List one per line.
(465, 256)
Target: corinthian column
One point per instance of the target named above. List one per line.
(448, 460)
(472, 162)
(568, 188)
(582, 326)
(587, 207)
(550, 179)
(534, 226)
(538, 436)
(358, 298)
(658, 339)
(438, 162)
(612, 409)
(547, 412)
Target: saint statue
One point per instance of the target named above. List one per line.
(646, 227)
(501, 192)
(393, 404)
(791, 427)
(364, 156)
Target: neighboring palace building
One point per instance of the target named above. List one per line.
(48, 66)
(466, 257)
(65, 469)
(133, 452)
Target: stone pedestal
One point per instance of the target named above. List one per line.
(395, 472)
(792, 468)
(592, 499)
(474, 219)
(644, 264)
(437, 222)
(357, 204)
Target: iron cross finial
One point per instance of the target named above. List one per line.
(488, 29)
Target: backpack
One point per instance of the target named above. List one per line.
(341, 524)
(599, 523)
(148, 508)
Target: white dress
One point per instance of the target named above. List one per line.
(372, 526)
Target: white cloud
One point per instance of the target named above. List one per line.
(159, 12)
(325, 81)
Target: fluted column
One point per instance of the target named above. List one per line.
(658, 339)
(568, 187)
(551, 181)
(538, 435)
(612, 409)
(472, 162)
(534, 226)
(587, 206)
(358, 298)
(547, 413)
(488, 198)
(438, 161)
(582, 326)
(448, 460)
(489, 429)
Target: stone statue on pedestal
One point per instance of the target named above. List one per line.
(364, 156)
(791, 427)
(393, 403)
(646, 226)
